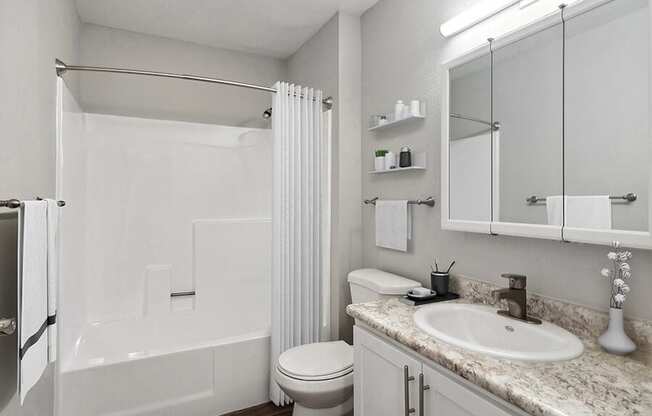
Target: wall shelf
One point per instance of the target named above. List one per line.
(418, 163)
(397, 122)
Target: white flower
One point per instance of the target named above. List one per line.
(624, 267)
(605, 272)
(619, 283)
(624, 255)
(625, 289)
(627, 274)
(615, 244)
(619, 298)
(612, 255)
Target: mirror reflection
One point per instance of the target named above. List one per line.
(470, 141)
(527, 102)
(607, 109)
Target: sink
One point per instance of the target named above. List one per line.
(479, 328)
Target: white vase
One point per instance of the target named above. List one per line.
(615, 340)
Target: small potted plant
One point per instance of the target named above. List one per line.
(615, 340)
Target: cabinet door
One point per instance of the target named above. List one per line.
(444, 396)
(384, 378)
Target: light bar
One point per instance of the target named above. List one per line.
(474, 15)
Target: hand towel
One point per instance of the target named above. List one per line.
(554, 208)
(593, 212)
(53, 275)
(392, 224)
(32, 294)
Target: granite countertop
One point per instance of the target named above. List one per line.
(596, 383)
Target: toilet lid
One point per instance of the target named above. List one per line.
(318, 361)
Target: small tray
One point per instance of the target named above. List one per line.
(410, 296)
(430, 299)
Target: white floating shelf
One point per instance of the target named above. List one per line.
(418, 163)
(396, 123)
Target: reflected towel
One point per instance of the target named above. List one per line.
(554, 208)
(592, 212)
(393, 224)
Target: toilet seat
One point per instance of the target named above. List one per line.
(317, 362)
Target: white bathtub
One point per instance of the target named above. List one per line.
(184, 364)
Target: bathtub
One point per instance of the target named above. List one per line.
(186, 363)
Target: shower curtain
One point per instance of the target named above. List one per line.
(296, 222)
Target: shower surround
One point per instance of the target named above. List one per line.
(158, 207)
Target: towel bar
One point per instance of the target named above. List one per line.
(430, 201)
(629, 197)
(15, 203)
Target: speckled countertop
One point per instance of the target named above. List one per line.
(596, 383)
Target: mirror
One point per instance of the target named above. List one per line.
(527, 102)
(547, 134)
(470, 141)
(607, 110)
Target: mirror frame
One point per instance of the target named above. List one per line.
(508, 27)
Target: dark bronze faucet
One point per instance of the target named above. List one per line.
(516, 297)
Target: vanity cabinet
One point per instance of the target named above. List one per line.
(390, 380)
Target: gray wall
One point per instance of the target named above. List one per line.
(330, 60)
(169, 99)
(32, 34)
(402, 51)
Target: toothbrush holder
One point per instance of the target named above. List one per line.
(439, 282)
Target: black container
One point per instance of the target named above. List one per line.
(405, 157)
(439, 282)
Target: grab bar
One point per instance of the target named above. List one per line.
(179, 294)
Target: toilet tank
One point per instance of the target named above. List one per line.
(371, 284)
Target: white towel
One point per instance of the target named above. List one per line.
(554, 208)
(592, 212)
(53, 276)
(32, 294)
(393, 224)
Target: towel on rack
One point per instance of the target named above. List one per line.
(592, 211)
(32, 294)
(554, 208)
(53, 275)
(393, 224)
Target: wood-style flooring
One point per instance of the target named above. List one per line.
(267, 409)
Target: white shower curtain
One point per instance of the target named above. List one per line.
(297, 212)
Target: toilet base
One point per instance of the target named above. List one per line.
(343, 409)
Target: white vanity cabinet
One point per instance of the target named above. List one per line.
(390, 380)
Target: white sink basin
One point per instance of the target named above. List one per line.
(479, 328)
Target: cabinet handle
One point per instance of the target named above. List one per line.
(406, 387)
(422, 388)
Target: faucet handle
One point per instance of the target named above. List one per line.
(516, 281)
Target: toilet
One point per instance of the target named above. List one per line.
(319, 376)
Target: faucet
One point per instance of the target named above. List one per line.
(516, 297)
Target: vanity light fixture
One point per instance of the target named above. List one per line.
(474, 15)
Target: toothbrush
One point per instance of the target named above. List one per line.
(451, 266)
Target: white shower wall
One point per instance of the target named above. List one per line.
(155, 207)
(152, 187)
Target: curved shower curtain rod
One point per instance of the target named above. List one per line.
(62, 68)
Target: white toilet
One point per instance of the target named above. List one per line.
(319, 376)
